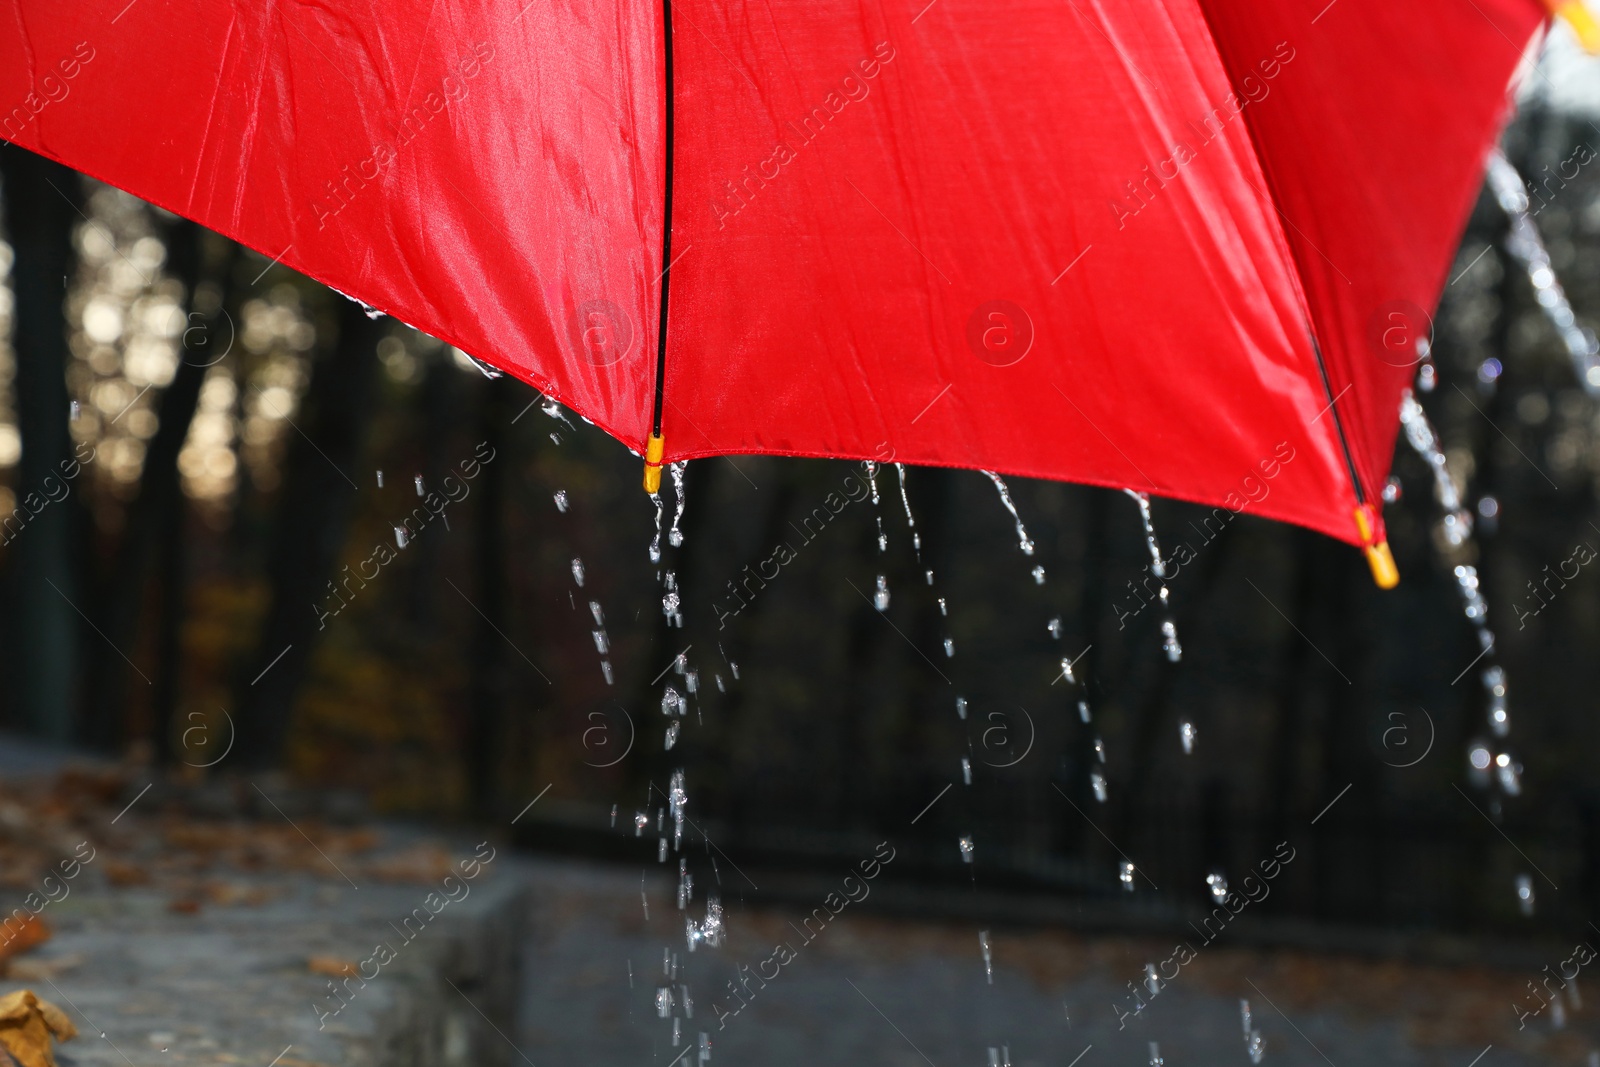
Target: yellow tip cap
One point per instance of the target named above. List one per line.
(653, 452)
(1575, 14)
(1381, 560)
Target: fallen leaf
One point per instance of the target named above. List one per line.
(122, 873)
(26, 1023)
(332, 966)
(23, 935)
(38, 970)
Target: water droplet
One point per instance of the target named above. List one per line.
(400, 537)
(613, 816)
(577, 571)
(1066, 672)
(1525, 899)
(672, 734)
(661, 851)
(74, 409)
(943, 609)
(961, 708)
(966, 771)
(417, 481)
(1169, 641)
(1155, 1055)
(1152, 981)
(1392, 490)
(605, 669)
(1125, 875)
(1083, 710)
(880, 599)
(640, 821)
(1100, 749)
(594, 609)
(380, 479)
(1005, 498)
(602, 644)
(988, 956)
(720, 687)
(1186, 734)
(1097, 782)
(671, 702)
(663, 1001)
(561, 500)
(1038, 575)
(965, 845)
(1217, 882)
(1054, 626)
(949, 648)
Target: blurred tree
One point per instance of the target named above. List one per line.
(312, 519)
(40, 213)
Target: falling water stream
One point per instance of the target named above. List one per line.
(1527, 246)
(1005, 498)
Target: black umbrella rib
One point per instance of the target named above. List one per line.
(666, 222)
(1338, 423)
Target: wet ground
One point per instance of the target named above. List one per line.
(867, 989)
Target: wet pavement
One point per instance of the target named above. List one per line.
(869, 989)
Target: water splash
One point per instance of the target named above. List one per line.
(675, 535)
(655, 543)
(1005, 498)
(672, 735)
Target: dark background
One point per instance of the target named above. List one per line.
(171, 602)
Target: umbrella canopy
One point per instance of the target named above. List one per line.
(1182, 246)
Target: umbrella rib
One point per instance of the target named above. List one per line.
(666, 219)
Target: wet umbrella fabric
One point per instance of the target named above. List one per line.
(1175, 245)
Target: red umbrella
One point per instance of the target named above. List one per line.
(1181, 246)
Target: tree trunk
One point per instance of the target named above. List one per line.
(318, 494)
(42, 530)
